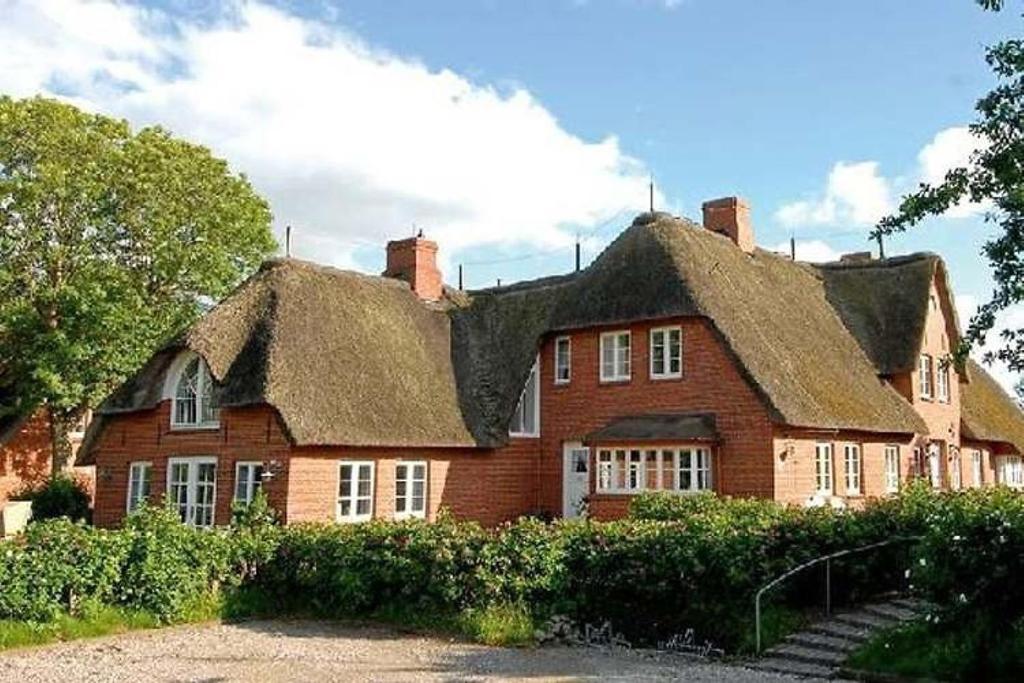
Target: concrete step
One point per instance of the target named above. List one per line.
(865, 620)
(912, 604)
(808, 655)
(838, 629)
(823, 642)
(793, 668)
(890, 611)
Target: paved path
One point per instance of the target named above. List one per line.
(273, 651)
(820, 650)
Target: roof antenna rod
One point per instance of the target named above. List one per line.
(577, 251)
(460, 277)
(650, 189)
(792, 247)
(881, 246)
(288, 241)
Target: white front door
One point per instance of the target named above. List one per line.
(575, 478)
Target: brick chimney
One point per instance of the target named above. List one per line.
(730, 216)
(415, 261)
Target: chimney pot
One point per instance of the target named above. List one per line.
(730, 216)
(414, 260)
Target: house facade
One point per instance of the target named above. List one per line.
(683, 359)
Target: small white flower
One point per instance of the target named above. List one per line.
(906, 574)
(923, 562)
(963, 598)
(957, 537)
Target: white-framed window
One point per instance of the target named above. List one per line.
(355, 490)
(924, 376)
(683, 469)
(526, 419)
(823, 468)
(248, 480)
(194, 404)
(615, 356)
(140, 479)
(935, 465)
(942, 382)
(563, 360)
(892, 468)
(410, 490)
(976, 464)
(192, 489)
(955, 476)
(666, 352)
(851, 457)
(918, 463)
(1010, 470)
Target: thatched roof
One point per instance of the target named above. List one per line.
(884, 304)
(987, 412)
(349, 359)
(344, 358)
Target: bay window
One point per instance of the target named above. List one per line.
(684, 469)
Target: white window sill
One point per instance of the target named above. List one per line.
(636, 492)
(403, 516)
(524, 435)
(205, 427)
(660, 378)
(615, 380)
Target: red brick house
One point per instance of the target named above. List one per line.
(684, 358)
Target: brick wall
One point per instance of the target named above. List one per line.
(25, 458)
(489, 486)
(710, 383)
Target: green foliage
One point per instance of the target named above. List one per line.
(996, 174)
(255, 535)
(98, 620)
(109, 241)
(61, 495)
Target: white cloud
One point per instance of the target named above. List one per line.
(350, 144)
(1010, 319)
(814, 251)
(857, 194)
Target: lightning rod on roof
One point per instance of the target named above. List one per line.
(650, 190)
(288, 241)
(792, 248)
(577, 252)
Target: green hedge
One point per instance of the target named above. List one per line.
(674, 564)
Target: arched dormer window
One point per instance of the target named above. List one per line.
(194, 403)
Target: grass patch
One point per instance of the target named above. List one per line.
(94, 622)
(952, 652)
(505, 625)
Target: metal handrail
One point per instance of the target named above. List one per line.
(827, 559)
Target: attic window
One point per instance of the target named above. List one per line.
(526, 419)
(924, 376)
(194, 404)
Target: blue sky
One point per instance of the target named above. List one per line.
(503, 129)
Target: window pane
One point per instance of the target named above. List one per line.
(345, 481)
(686, 470)
(604, 470)
(651, 469)
(668, 470)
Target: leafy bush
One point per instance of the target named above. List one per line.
(62, 495)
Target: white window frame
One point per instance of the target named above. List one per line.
(924, 377)
(852, 468)
(892, 468)
(567, 341)
(621, 362)
(824, 479)
(665, 335)
(137, 498)
(518, 426)
(977, 467)
(934, 457)
(631, 465)
(407, 498)
(252, 483)
(204, 381)
(955, 473)
(192, 488)
(353, 498)
(942, 382)
(1010, 469)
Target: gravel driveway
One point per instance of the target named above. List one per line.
(271, 651)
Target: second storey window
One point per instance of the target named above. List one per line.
(140, 478)
(666, 352)
(942, 383)
(526, 419)
(193, 397)
(823, 467)
(355, 491)
(924, 376)
(191, 488)
(248, 480)
(410, 490)
(852, 458)
(892, 469)
(615, 356)
(563, 360)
